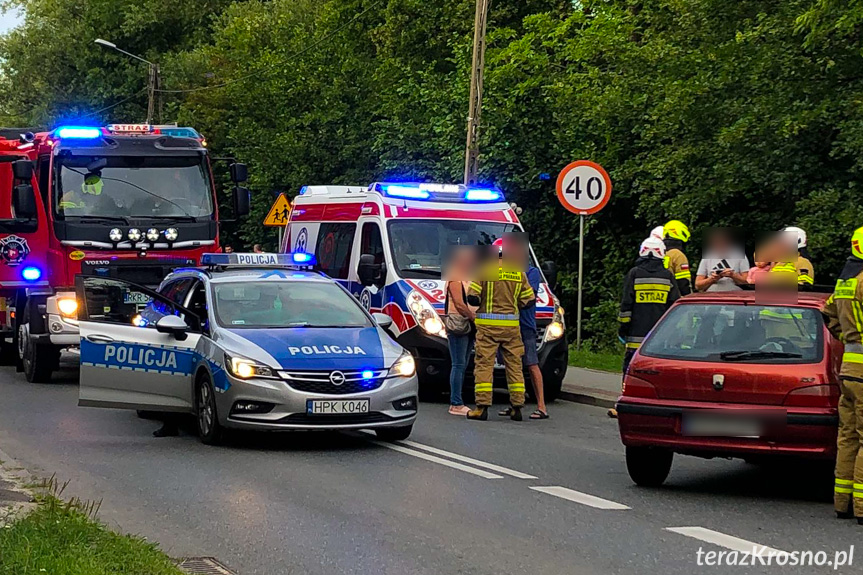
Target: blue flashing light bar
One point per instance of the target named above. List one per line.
(368, 374)
(177, 132)
(409, 191)
(258, 260)
(482, 195)
(78, 132)
(31, 274)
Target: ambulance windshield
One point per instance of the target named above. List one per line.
(419, 246)
(286, 304)
(133, 187)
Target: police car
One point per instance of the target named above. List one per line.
(247, 341)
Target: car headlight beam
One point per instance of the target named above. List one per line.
(425, 314)
(68, 306)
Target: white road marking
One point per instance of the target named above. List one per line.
(723, 540)
(579, 497)
(472, 461)
(438, 460)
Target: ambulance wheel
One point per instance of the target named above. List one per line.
(38, 361)
(394, 433)
(648, 466)
(210, 430)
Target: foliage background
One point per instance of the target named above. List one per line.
(716, 112)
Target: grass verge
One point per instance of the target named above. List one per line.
(63, 538)
(602, 360)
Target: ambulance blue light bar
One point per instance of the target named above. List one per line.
(258, 260)
(438, 192)
(78, 133)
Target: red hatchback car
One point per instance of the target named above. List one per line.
(731, 374)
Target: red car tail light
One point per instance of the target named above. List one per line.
(635, 387)
(813, 396)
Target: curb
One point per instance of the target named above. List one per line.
(587, 399)
(16, 500)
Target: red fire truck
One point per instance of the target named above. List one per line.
(127, 201)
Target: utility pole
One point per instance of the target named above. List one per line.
(471, 160)
(153, 80)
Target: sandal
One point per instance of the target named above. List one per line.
(505, 412)
(537, 414)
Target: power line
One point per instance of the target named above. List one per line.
(270, 68)
(114, 105)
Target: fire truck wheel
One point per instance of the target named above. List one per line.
(39, 361)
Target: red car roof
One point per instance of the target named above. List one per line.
(804, 299)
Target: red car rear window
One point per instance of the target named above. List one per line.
(738, 333)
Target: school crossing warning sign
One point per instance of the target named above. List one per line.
(279, 213)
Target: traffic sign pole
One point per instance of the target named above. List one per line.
(580, 283)
(583, 188)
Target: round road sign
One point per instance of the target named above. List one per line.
(583, 187)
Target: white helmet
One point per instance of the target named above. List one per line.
(658, 232)
(801, 236)
(652, 247)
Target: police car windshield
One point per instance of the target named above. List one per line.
(738, 333)
(133, 186)
(286, 304)
(418, 246)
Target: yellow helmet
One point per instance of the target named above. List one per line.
(677, 230)
(857, 243)
(92, 184)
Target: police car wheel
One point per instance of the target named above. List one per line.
(648, 466)
(209, 429)
(394, 433)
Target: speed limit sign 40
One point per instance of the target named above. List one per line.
(583, 187)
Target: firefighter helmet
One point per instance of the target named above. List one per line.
(801, 235)
(92, 184)
(657, 232)
(677, 230)
(653, 247)
(857, 243)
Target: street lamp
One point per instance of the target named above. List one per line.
(153, 79)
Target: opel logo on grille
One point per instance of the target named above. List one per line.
(337, 378)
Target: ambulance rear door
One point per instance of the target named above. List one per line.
(138, 348)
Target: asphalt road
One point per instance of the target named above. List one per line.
(331, 503)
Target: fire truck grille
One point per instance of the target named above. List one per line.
(149, 274)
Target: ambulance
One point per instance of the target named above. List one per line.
(384, 243)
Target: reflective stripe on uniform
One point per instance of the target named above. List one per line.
(652, 287)
(529, 293)
(482, 387)
(852, 357)
(642, 281)
(805, 279)
(682, 275)
(624, 318)
(475, 286)
(516, 387)
(858, 315)
(845, 289)
(501, 322)
(843, 486)
(666, 261)
(633, 345)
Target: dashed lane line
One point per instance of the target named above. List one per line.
(465, 459)
(438, 460)
(723, 540)
(579, 497)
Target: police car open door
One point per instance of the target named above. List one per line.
(137, 347)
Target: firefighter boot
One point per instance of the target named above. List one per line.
(479, 413)
(515, 414)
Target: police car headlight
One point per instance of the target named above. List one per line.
(246, 368)
(426, 315)
(405, 366)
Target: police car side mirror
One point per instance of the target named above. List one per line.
(173, 325)
(241, 201)
(24, 202)
(383, 320)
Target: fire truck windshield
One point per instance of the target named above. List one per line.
(419, 246)
(133, 187)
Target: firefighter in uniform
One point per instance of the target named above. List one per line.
(649, 289)
(502, 291)
(89, 199)
(675, 234)
(844, 314)
(805, 271)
